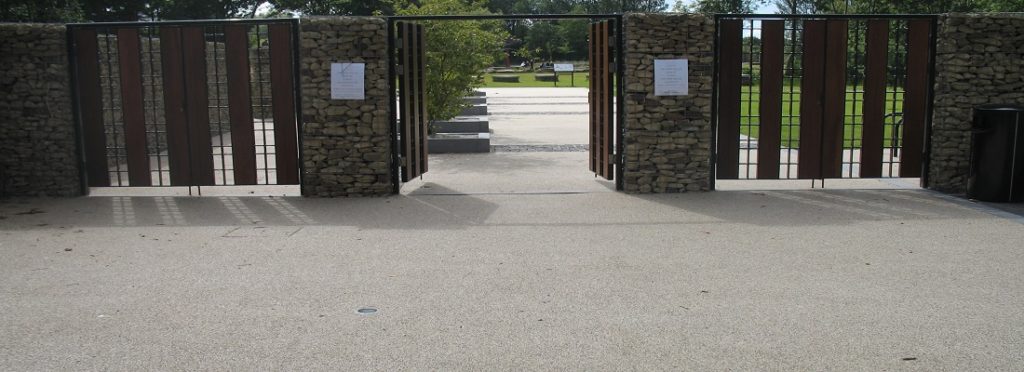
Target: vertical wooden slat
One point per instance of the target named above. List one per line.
(421, 92)
(835, 99)
(607, 101)
(414, 102)
(915, 103)
(174, 106)
(875, 72)
(282, 89)
(405, 100)
(90, 102)
(769, 140)
(132, 114)
(414, 112)
(243, 135)
(592, 96)
(197, 105)
(811, 99)
(730, 45)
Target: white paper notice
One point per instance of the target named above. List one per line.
(563, 67)
(347, 81)
(671, 77)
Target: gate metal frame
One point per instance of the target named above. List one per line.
(929, 101)
(296, 90)
(620, 54)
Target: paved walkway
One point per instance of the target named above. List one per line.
(519, 261)
(740, 280)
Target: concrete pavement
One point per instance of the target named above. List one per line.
(515, 261)
(731, 280)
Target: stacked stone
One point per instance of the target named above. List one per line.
(37, 137)
(346, 144)
(979, 60)
(668, 138)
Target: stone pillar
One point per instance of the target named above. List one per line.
(38, 150)
(346, 144)
(668, 139)
(979, 59)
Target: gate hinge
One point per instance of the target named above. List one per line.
(617, 158)
(399, 70)
(402, 161)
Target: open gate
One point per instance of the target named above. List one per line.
(601, 100)
(815, 97)
(187, 103)
(412, 95)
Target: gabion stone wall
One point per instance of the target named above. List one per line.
(346, 144)
(37, 135)
(668, 139)
(979, 60)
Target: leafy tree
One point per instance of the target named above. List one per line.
(340, 7)
(726, 6)
(41, 11)
(457, 53)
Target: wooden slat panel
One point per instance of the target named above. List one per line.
(412, 91)
(132, 107)
(811, 90)
(875, 72)
(835, 99)
(243, 135)
(90, 101)
(421, 97)
(174, 106)
(197, 105)
(282, 88)
(915, 103)
(769, 140)
(730, 45)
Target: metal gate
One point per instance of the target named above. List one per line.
(187, 103)
(601, 100)
(815, 97)
(412, 93)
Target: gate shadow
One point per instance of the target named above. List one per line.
(821, 207)
(393, 212)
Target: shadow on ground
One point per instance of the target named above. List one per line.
(444, 208)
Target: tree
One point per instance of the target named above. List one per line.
(41, 11)
(340, 7)
(457, 53)
(726, 6)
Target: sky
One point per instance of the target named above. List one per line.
(767, 8)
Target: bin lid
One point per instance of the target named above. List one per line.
(1000, 107)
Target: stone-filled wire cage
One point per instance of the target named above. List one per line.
(184, 105)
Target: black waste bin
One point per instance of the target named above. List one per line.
(997, 154)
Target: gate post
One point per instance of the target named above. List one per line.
(38, 140)
(667, 139)
(346, 144)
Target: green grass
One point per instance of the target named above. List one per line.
(526, 80)
(750, 106)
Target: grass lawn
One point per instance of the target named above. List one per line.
(526, 80)
(750, 104)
